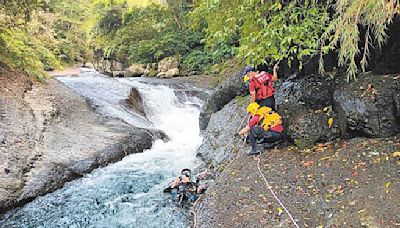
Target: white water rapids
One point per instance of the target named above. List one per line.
(127, 193)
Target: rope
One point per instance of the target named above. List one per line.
(231, 141)
(273, 193)
(194, 219)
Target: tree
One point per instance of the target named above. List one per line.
(273, 30)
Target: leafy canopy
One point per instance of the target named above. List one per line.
(273, 30)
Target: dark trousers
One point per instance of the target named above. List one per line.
(259, 135)
(269, 102)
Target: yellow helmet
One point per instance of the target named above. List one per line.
(246, 78)
(252, 108)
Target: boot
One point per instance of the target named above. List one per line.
(254, 151)
(273, 144)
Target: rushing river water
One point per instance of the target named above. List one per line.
(127, 193)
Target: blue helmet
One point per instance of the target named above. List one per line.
(248, 69)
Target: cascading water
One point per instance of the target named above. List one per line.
(127, 193)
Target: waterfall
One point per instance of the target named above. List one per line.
(127, 193)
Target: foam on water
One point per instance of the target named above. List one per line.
(127, 193)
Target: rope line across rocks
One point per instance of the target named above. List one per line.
(258, 159)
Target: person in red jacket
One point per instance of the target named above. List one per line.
(261, 86)
(265, 126)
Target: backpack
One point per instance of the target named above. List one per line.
(270, 121)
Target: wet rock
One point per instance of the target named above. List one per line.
(135, 70)
(168, 63)
(118, 73)
(221, 140)
(54, 136)
(169, 74)
(88, 65)
(135, 102)
(117, 66)
(367, 107)
(220, 96)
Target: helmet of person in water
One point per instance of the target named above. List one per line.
(252, 108)
(186, 172)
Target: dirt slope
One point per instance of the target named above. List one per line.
(353, 183)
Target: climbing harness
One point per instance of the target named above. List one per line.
(272, 192)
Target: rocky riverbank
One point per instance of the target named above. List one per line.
(49, 135)
(334, 177)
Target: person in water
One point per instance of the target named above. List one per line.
(186, 186)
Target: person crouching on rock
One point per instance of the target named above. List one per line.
(261, 86)
(265, 126)
(186, 186)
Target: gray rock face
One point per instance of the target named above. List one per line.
(135, 102)
(221, 140)
(107, 66)
(220, 96)
(397, 106)
(52, 136)
(311, 91)
(367, 107)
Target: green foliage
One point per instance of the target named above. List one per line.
(149, 34)
(18, 51)
(344, 30)
(260, 31)
(197, 60)
(43, 34)
(148, 51)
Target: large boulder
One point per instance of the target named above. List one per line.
(169, 74)
(135, 70)
(118, 73)
(220, 96)
(312, 91)
(221, 140)
(306, 127)
(301, 102)
(367, 107)
(168, 63)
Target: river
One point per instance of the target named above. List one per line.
(129, 192)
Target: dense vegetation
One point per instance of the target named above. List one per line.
(42, 35)
(47, 34)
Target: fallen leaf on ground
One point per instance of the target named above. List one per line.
(352, 203)
(308, 164)
(396, 154)
(280, 211)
